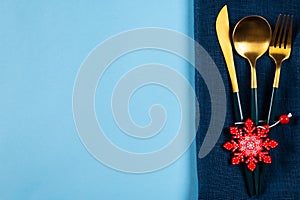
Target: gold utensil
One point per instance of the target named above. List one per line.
(279, 50)
(222, 29)
(251, 39)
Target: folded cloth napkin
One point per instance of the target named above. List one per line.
(218, 179)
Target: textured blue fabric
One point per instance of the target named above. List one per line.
(218, 179)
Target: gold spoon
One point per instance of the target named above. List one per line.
(251, 38)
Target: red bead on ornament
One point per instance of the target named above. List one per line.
(284, 119)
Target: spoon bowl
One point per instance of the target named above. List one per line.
(251, 37)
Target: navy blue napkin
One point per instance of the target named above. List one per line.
(218, 179)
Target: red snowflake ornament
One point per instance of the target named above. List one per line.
(250, 144)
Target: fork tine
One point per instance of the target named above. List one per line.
(284, 39)
(273, 42)
(279, 40)
(289, 39)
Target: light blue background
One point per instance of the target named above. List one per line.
(42, 45)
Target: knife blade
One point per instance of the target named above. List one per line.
(222, 27)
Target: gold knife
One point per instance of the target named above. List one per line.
(222, 28)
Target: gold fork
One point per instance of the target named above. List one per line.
(279, 50)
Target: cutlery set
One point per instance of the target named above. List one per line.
(252, 37)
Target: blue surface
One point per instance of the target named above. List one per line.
(42, 46)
